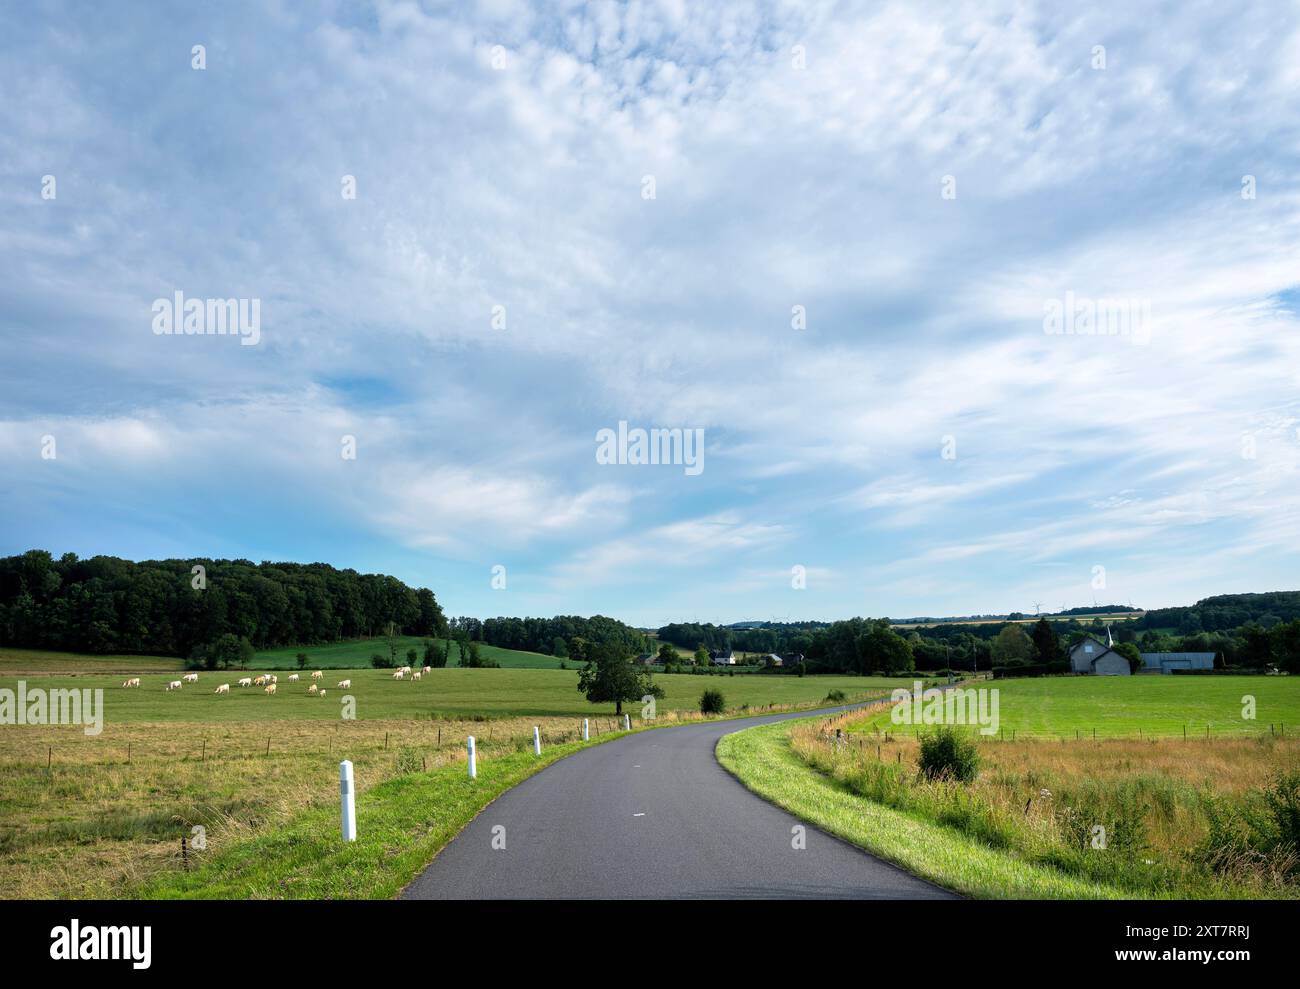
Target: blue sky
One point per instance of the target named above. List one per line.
(921, 446)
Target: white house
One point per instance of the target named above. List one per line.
(1089, 655)
(723, 657)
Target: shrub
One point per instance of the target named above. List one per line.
(712, 702)
(302, 660)
(836, 696)
(380, 661)
(947, 755)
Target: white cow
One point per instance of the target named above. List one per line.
(345, 684)
(174, 685)
(270, 688)
(322, 693)
(293, 677)
(312, 690)
(245, 681)
(416, 675)
(317, 675)
(133, 682)
(272, 678)
(260, 681)
(403, 669)
(191, 678)
(399, 675)
(223, 689)
(427, 669)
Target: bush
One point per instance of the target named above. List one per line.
(947, 755)
(712, 702)
(302, 660)
(380, 661)
(836, 697)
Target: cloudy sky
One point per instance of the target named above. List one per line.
(828, 235)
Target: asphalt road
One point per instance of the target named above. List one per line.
(652, 815)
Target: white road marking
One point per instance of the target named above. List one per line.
(642, 814)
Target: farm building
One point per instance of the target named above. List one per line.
(1089, 655)
(723, 657)
(1167, 662)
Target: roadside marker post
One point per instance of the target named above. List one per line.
(537, 740)
(627, 722)
(473, 759)
(586, 737)
(347, 801)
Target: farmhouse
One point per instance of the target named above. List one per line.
(1089, 655)
(1167, 662)
(723, 657)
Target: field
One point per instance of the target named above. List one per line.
(1141, 706)
(1138, 812)
(357, 653)
(103, 815)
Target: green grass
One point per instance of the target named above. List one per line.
(761, 758)
(1128, 706)
(401, 825)
(446, 693)
(357, 652)
(35, 662)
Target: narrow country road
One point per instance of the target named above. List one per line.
(652, 815)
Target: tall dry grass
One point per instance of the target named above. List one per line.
(1041, 799)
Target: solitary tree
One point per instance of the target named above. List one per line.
(610, 676)
(701, 656)
(1011, 647)
(667, 654)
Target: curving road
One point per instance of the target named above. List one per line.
(652, 815)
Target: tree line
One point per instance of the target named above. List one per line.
(551, 636)
(174, 607)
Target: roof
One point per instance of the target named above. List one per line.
(1197, 660)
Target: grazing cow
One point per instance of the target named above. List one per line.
(427, 669)
(416, 676)
(260, 681)
(245, 681)
(223, 689)
(133, 682)
(293, 677)
(174, 685)
(403, 669)
(317, 675)
(191, 678)
(270, 688)
(399, 675)
(272, 678)
(345, 684)
(312, 690)
(322, 693)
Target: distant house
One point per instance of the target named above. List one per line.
(772, 659)
(1090, 655)
(790, 659)
(1167, 662)
(722, 657)
(647, 659)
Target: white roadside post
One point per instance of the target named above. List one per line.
(627, 722)
(347, 801)
(585, 736)
(473, 761)
(537, 740)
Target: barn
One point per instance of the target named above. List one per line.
(1167, 662)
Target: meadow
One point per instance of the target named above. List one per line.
(356, 654)
(1139, 811)
(103, 816)
(1132, 707)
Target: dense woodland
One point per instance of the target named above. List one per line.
(108, 605)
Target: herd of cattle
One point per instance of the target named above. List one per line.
(269, 681)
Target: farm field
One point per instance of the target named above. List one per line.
(445, 693)
(1129, 707)
(357, 653)
(39, 662)
(1047, 816)
(99, 815)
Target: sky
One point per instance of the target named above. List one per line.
(856, 246)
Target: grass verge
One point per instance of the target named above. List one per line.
(762, 759)
(401, 825)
